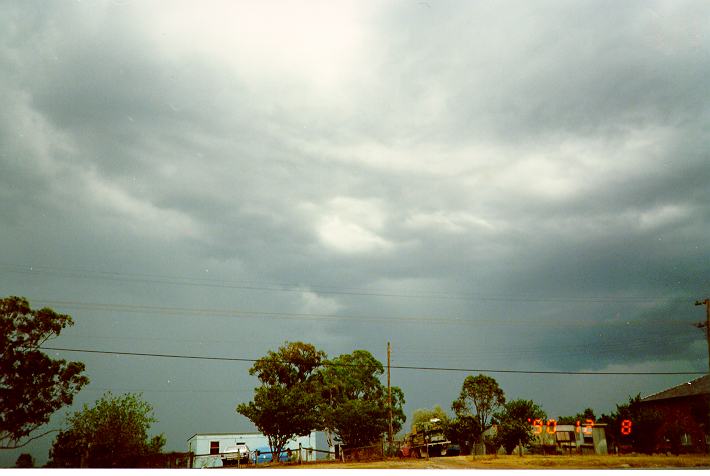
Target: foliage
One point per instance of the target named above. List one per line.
(355, 403)
(25, 460)
(463, 430)
(32, 385)
(423, 415)
(514, 423)
(285, 404)
(645, 423)
(587, 414)
(480, 396)
(111, 434)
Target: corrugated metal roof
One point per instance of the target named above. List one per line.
(699, 386)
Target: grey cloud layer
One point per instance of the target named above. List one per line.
(503, 157)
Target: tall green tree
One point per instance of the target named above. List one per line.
(286, 402)
(424, 415)
(355, 403)
(111, 434)
(32, 385)
(480, 397)
(513, 423)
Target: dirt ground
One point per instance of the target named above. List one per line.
(525, 462)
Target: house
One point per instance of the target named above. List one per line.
(685, 412)
(209, 448)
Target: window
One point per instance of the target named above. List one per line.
(686, 440)
(214, 447)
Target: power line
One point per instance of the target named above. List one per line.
(401, 367)
(155, 390)
(254, 314)
(567, 350)
(321, 289)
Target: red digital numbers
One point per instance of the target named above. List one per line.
(588, 427)
(551, 426)
(625, 427)
(587, 430)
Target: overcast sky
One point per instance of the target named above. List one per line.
(487, 185)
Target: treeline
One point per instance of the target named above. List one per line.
(300, 389)
(482, 404)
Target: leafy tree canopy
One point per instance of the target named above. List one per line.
(285, 403)
(463, 430)
(32, 385)
(513, 422)
(424, 415)
(480, 396)
(111, 434)
(582, 417)
(355, 403)
(25, 460)
(645, 424)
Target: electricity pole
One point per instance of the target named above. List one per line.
(389, 395)
(705, 324)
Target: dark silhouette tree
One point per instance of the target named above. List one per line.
(25, 460)
(582, 417)
(32, 385)
(645, 421)
(513, 422)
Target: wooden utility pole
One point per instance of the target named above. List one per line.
(706, 324)
(389, 395)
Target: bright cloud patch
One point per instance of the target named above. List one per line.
(350, 225)
(457, 222)
(312, 303)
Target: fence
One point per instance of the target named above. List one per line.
(166, 460)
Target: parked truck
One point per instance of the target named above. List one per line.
(236, 455)
(426, 439)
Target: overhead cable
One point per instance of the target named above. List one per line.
(401, 367)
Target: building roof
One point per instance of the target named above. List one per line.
(225, 434)
(239, 434)
(699, 386)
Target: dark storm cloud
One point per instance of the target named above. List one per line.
(587, 68)
(521, 187)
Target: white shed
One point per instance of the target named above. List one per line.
(208, 447)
